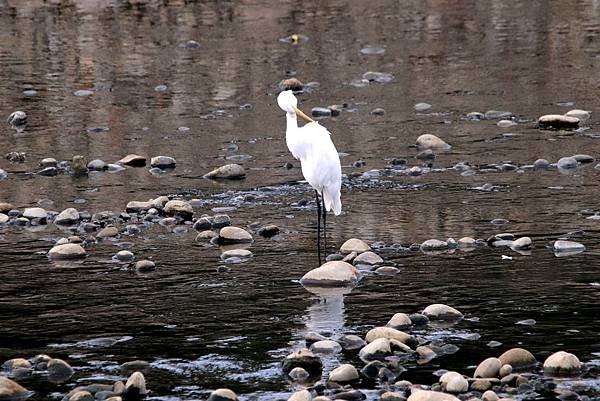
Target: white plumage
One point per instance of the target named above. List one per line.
(312, 145)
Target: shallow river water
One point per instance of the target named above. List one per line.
(202, 329)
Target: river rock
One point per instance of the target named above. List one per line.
(567, 163)
(434, 245)
(145, 266)
(35, 213)
(97, 165)
(163, 162)
(293, 84)
(268, 231)
(67, 251)
(17, 118)
(79, 165)
(299, 374)
(343, 374)
(48, 172)
(568, 246)
(481, 385)
(108, 232)
(389, 333)
(137, 206)
(5, 207)
(331, 274)
(354, 245)
(517, 358)
(583, 158)
(133, 160)
(422, 106)
(557, 121)
(490, 367)
(125, 256)
(454, 382)
(67, 217)
(580, 114)
(233, 235)
(429, 141)
(351, 341)
(387, 270)
(562, 363)
(505, 370)
(11, 390)
(326, 347)
(489, 396)
(497, 114)
(229, 171)
(16, 363)
(236, 253)
(59, 371)
(135, 386)
(399, 321)
(220, 221)
(81, 395)
(304, 359)
(367, 258)
(179, 208)
(206, 235)
(442, 312)
(427, 395)
(302, 395)
(4, 218)
(467, 242)
(522, 243)
(377, 349)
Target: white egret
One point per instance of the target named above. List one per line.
(320, 162)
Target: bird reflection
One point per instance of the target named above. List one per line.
(326, 316)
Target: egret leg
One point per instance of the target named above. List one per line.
(318, 226)
(324, 226)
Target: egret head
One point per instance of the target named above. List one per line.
(288, 103)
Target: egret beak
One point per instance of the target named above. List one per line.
(299, 113)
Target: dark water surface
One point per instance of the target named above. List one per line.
(202, 329)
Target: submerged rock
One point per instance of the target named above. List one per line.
(522, 243)
(304, 359)
(429, 141)
(399, 320)
(59, 371)
(377, 349)
(229, 171)
(565, 246)
(331, 274)
(567, 163)
(79, 165)
(179, 208)
(434, 245)
(163, 162)
(562, 363)
(579, 114)
(17, 118)
(367, 258)
(145, 266)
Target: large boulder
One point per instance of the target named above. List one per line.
(331, 274)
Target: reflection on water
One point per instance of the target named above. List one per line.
(205, 101)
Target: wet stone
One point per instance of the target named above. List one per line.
(133, 160)
(67, 251)
(220, 221)
(429, 141)
(145, 266)
(580, 114)
(320, 112)
(517, 358)
(163, 162)
(378, 111)
(79, 165)
(331, 274)
(59, 371)
(299, 374)
(67, 217)
(557, 121)
(229, 171)
(422, 106)
(179, 208)
(541, 164)
(354, 245)
(17, 118)
(83, 93)
(442, 312)
(418, 319)
(562, 363)
(433, 245)
(372, 50)
(567, 163)
(125, 256)
(326, 347)
(304, 359)
(268, 231)
(387, 270)
(135, 385)
(583, 159)
(233, 235)
(380, 77)
(497, 115)
(108, 232)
